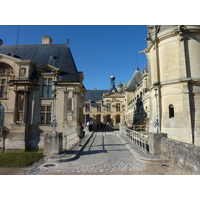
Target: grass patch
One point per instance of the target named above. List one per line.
(23, 159)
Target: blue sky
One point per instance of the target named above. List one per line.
(98, 50)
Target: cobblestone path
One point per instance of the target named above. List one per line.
(105, 154)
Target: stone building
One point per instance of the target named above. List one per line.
(171, 87)
(165, 97)
(106, 106)
(29, 76)
(136, 98)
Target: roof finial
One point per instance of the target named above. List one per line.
(68, 42)
(17, 35)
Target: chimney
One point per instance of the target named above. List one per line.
(1, 42)
(46, 40)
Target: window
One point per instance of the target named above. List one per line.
(117, 107)
(47, 87)
(69, 104)
(118, 119)
(108, 119)
(171, 111)
(87, 107)
(98, 107)
(45, 114)
(2, 88)
(108, 107)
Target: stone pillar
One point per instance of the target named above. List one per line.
(25, 107)
(15, 108)
(53, 143)
(155, 142)
(65, 107)
(75, 106)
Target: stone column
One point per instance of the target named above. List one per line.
(65, 107)
(15, 108)
(75, 106)
(25, 106)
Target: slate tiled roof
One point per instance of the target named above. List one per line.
(57, 55)
(94, 95)
(134, 81)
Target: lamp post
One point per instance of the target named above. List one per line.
(54, 123)
(123, 116)
(156, 123)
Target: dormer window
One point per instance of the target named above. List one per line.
(47, 88)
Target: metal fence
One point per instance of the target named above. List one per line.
(70, 140)
(138, 138)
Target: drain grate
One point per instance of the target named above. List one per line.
(164, 165)
(49, 165)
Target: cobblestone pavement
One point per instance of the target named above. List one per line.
(106, 155)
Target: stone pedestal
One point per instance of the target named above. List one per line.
(53, 143)
(155, 143)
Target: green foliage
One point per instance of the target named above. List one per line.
(23, 159)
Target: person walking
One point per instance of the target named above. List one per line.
(90, 126)
(80, 133)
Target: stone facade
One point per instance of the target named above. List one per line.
(106, 106)
(136, 98)
(30, 74)
(169, 91)
(173, 63)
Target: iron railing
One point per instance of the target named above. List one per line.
(138, 138)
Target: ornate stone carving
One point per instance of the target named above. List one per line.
(181, 29)
(6, 70)
(22, 72)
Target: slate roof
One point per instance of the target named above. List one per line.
(135, 80)
(57, 55)
(94, 95)
(112, 89)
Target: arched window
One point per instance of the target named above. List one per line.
(2, 113)
(171, 111)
